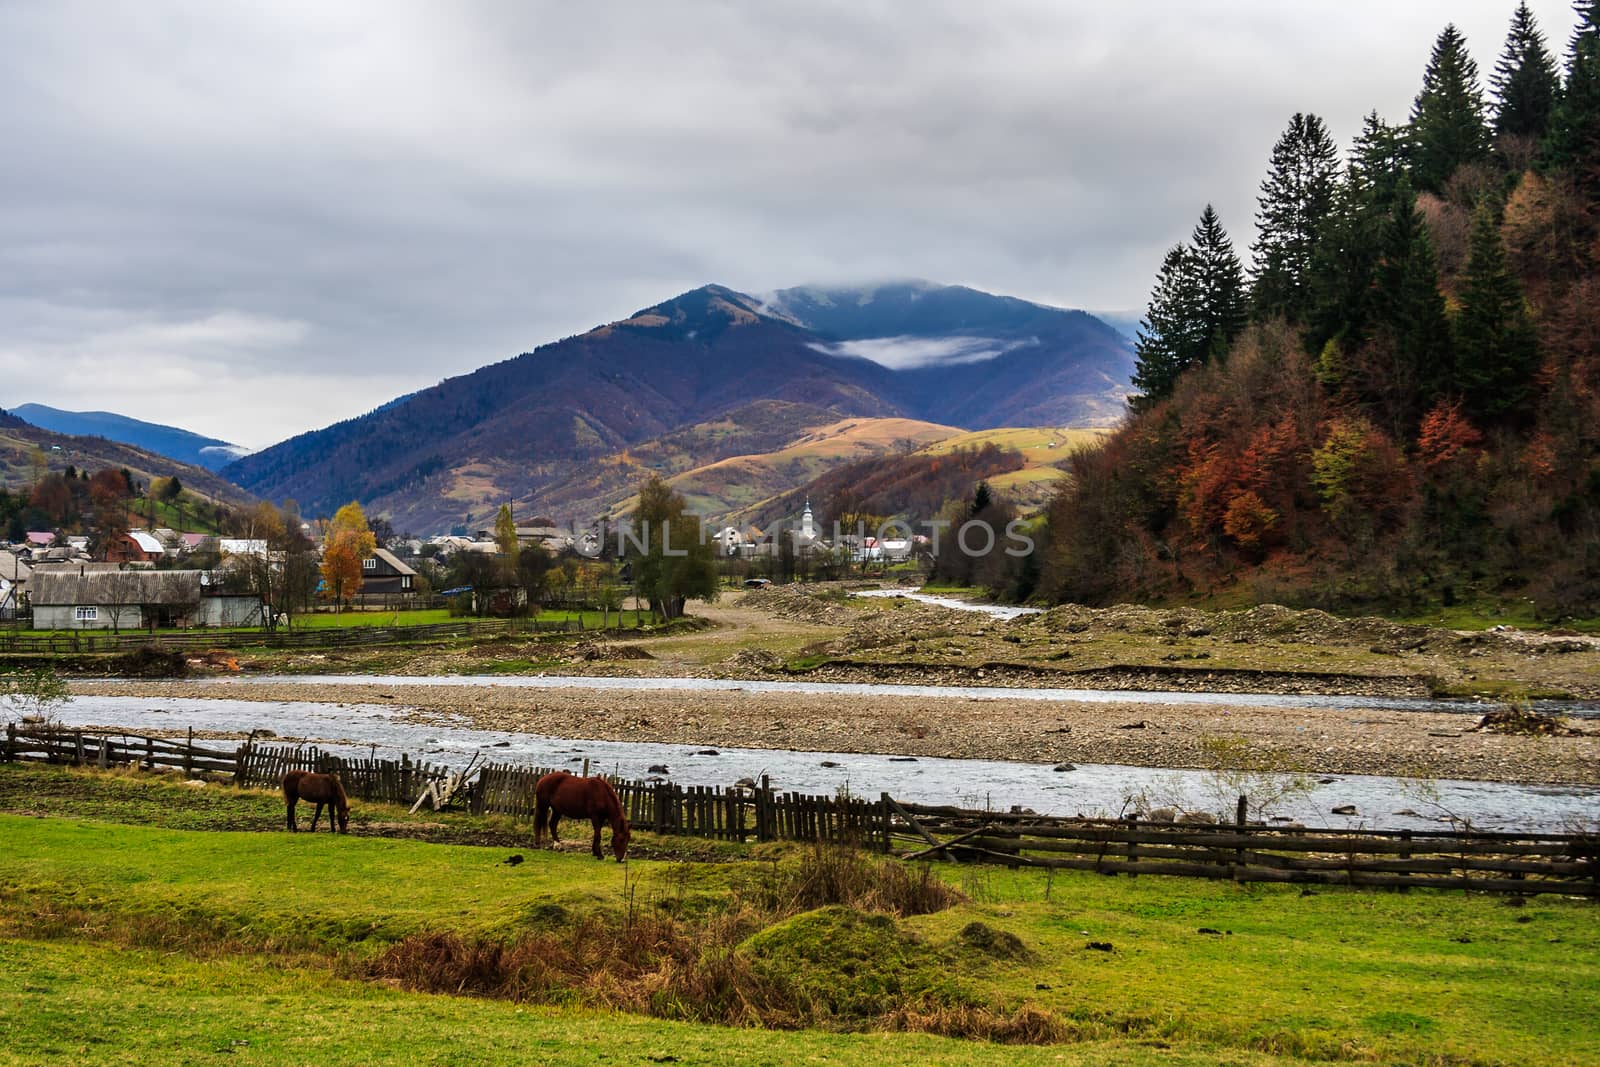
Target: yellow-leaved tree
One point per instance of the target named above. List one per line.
(347, 544)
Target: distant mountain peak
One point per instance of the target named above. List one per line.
(183, 445)
(701, 314)
(545, 430)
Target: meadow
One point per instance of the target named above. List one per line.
(144, 920)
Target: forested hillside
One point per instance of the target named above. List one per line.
(1399, 405)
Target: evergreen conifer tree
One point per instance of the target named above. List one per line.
(1411, 309)
(1378, 163)
(1574, 141)
(1221, 284)
(1496, 348)
(1171, 336)
(1196, 310)
(1447, 128)
(1296, 198)
(1351, 242)
(1524, 81)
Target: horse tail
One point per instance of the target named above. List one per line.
(291, 785)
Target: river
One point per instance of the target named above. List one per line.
(1579, 709)
(1089, 789)
(1003, 612)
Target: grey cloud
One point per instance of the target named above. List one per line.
(289, 213)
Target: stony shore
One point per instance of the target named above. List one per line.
(1146, 732)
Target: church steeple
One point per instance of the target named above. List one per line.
(808, 528)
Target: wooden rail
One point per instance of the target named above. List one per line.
(1399, 859)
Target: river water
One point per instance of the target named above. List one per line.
(1089, 789)
(1580, 709)
(1003, 612)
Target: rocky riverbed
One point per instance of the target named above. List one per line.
(1145, 732)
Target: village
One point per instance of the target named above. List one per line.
(159, 578)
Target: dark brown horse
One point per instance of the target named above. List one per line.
(322, 788)
(561, 793)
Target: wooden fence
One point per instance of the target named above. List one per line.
(1397, 859)
(1240, 852)
(26, 642)
(754, 813)
(384, 780)
(104, 749)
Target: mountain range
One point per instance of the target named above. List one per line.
(25, 448)
(572, 426)
(181, 445)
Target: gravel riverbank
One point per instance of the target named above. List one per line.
(1141, 733)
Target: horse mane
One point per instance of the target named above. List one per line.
(611, 792)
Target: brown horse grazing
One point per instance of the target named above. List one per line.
(561, 793)
(322, 788)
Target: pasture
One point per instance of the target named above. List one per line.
(146, 921)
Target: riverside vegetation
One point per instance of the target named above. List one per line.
(142, 920)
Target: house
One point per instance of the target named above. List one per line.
(551, 538)
(383, 573)
(135, 546)
(14, 576)
(41, 538)
(90, 598)
(242, 546)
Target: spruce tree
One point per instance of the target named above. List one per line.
(1196, 310)
(1378, 163)
(1221, 284)
(1524, 81)
(1411, 310)
(1496, 348)
(1172, 336)
(1574, 141)
(1295, 200)
(1351, 242)
(1447, 128)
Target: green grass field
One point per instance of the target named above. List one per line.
(326, 620)
(143, 921)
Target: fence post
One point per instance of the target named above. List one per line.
(1133, 846)
(405, 776)
(884, 825)
(1241, 821)
(11, 742)
(1405, 854)
(188, 755)
(764, 809)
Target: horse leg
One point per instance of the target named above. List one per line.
(555, 817)
(315, 816)
(541, 812)
(598, 820)
(294, 826)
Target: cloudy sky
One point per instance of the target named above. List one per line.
(253, 219)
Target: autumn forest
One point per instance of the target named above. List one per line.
(1397, 405)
